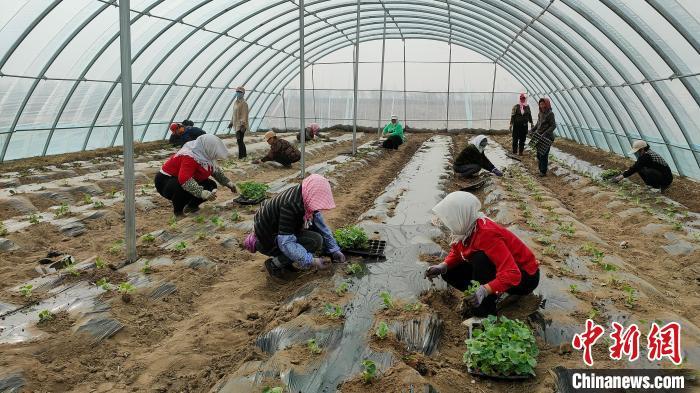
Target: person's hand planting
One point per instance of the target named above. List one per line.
(321, 263)
(436, 270)
(479, 296)
(339, 257)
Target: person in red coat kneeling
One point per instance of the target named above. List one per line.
(483, 251)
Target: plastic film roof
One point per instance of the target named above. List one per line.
(616, 70)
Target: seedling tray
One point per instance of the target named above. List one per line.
(477, 373)
(244, 201)
(375, 249)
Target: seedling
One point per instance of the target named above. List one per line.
(502, 347)
(172, 223)
(273, 390)
(544, 240)
(26, 290)
(34, 218)
(333, 311)
(354, 268)
(148, 238)
(677, 226)
(103, 283)
(471, 289)
(567, 228)
(609, 174)
(63, 210)
(116, 247)
(201, 235)
(386, 299)
(413, 307)
(342, 289)
(537, 197)
(3, 230)
(216, 220)
(181, 246)
(146, 269)
(369, 372)
(573, 288)
(631, 295)
(99, 263)
(591, 250)
(70, 268)
(87, 199)
(200, 219)
(527, 214)
(235, 216)
(313, 347)
(593, 314)
(550, 250)
(382, 331)
(533, 225)
(45, 316)
(351, 237)
(252, 191)
(98, 205)
(608, 267)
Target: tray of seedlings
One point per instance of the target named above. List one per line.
(251, 193)
(353, 240)
(501, 348)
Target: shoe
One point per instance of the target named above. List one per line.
(276, 272)
(542, 174)
(190, 209)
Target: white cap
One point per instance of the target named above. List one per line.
(394, 117)
(637, 146)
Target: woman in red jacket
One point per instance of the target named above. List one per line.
(485, 252)
(184, 178)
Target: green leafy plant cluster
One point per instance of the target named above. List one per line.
(34, 218)
(313, 347)
(251, 190)
(333, 311)
(342, 289)
(100, 263)
(116, 247)
(471, 289)
(414, 307)
(125, 288)
(369, 372)
(148, 238)
(45, 316)
(181, 246)
(382, 330)
(502, 347)
(26, 290)
(386, 300)
(354, 268)
(62, 210)
(351, 237)
(591, 250)
(609, 174)
(103, 283)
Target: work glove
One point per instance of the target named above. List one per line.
(321, 263)
(496, 172)
(208, 195)
(479, 296)
(339, 257)
(436, 270)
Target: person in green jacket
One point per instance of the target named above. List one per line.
(395, 132)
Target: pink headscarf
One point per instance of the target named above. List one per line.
(523, 102)
(314, 127)
(317, 195)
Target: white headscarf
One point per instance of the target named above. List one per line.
(476, 141)
(205, 150)
(459, 211)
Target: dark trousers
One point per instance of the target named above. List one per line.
(169, 188)
(480, 268)
(519, 135)
(543, 160)
(392, 142)
(655, 178)
(310, 240)
(239, 141)
(467, 170)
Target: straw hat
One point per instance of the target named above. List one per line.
(638, 145)
(269, 135)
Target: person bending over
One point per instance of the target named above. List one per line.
(471, 160)
(652, 168)
(280, 150)
(184, 178)
(184, 132)
(290, 229)
(394, 130)
(485, 252)
(310, 132)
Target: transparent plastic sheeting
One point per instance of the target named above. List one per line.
(616, 70)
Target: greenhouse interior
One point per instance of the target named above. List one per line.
(440, 196)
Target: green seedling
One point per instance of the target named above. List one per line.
(573, 288)
(201, 235)
(62, 211)
(591, 250)
(382, 331)
(550, 250)
(471, 289)
(567, 228)
(630, 295)
(555, 217)
(26, 290)
(333, 311)
(413, 307)
(181, 246)
(125, 288)
(502, 347)
(609, 174)
(593, 314)
(100, 263)
(342, 289)
(369, 372)
(354, 268)
(98, 205)
(172, 222)
(87, 199)
(386, 299)
(537, 197)
(273, 390)
(116, 247)
(33, 218)
(146, 269)
(608, 267)
(216, 220)
(45, 316)
(3, 230)
(71, 269)
(533, 225)
(313, 347)
(252, 191)
(148, 238)
(543, 240)
(200, 219)
(677, 226)
(351, 237)
(527, 214)
(113, 194)
(235, 216)
(103, 283)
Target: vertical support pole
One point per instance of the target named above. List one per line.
(313, 92)
(493, 90)
(284, 110)
(405, 111)
(381, 80)
(356, 71)
(302, 132)
(449, 76)
(128, 130)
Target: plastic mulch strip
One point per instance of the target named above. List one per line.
(501, 377)
(375, 249)
(243, 201)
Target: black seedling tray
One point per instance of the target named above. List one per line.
(500, 377)
(375, 249)
(243, 201)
